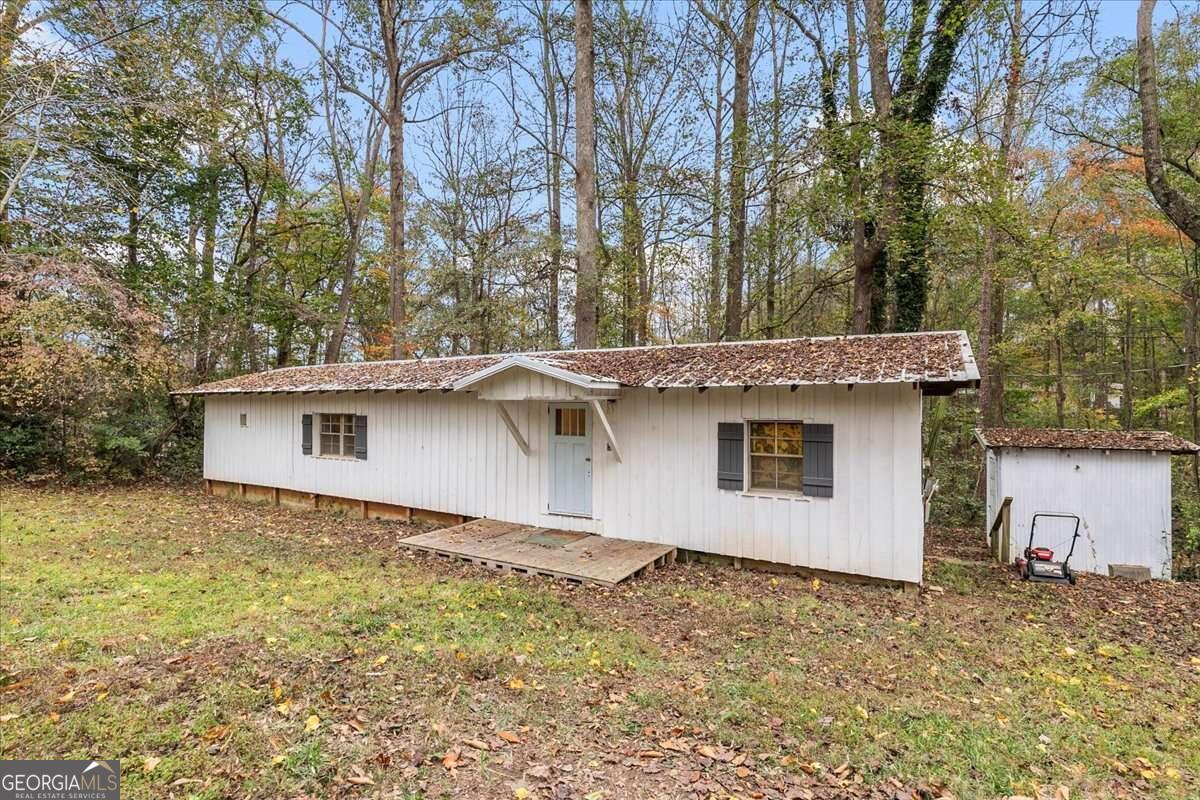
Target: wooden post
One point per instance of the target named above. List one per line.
(999, 539)
(207, 486)
(275, 495)
(363, 507)
(1006, 537)
(241, 490)
(316, 500)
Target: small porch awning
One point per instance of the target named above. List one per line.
(517, 378)
(579, 385)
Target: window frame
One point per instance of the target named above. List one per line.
(345, 432)
(243, 420)
(748, 468)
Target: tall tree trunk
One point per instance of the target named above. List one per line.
(1060, 390)
(397, 255)
(553, 174)
(394, 119)
(739, 167)
(716, 245)
(905, 122)
(587, 281)
(1127, 389)
(778, 60)
(133, 231)
(991, 286)
(357, 224)
(1192, 352)
(207, 288)
(864, 272)
(1183, 211)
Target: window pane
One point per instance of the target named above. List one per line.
(762, 428)
(570, 422)
(788, 430)
(791, 473)
(762, 445)
(762, 472)
(790, 447)
(348, 444)
(330, 444)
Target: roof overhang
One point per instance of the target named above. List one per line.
(589, 382)
(966, 378)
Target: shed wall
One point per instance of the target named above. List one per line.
(451, 452)
(1122, 497)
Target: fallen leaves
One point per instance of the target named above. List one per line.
(312, 723)
(358, 777)
(215, 733)
(452, 760)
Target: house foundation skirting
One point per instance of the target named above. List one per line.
(365, 509)
(371, 509)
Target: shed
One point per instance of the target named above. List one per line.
(1117, 482)
(804, 452)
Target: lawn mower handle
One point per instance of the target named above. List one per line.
(1074, 535)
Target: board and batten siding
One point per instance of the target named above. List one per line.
(1123, 499)
(451, 452)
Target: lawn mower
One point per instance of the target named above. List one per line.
(1038, 564)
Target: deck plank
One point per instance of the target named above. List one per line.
(503, 545)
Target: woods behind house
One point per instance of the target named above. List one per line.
(191, 191)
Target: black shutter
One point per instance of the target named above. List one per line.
(360, 437)
(306, 434)
(731, 456)
(818, 460)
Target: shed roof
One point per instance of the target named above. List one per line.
(1066, 439)
(937, 361)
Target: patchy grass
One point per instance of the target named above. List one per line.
(220, 648)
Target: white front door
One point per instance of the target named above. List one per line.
(570, 460)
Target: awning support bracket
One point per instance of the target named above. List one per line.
(598, 407)
(512, 428)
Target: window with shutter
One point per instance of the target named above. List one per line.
(790, 457)
(776, 456)
(337, 436)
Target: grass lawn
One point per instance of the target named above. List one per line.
(223, 649)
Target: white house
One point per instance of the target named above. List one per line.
(1117, 482)
(804, 452)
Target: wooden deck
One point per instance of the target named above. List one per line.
(549, 552)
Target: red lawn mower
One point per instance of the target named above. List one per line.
(1038, 564)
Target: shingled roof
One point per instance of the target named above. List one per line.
(1064, 439)
(937, 361)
